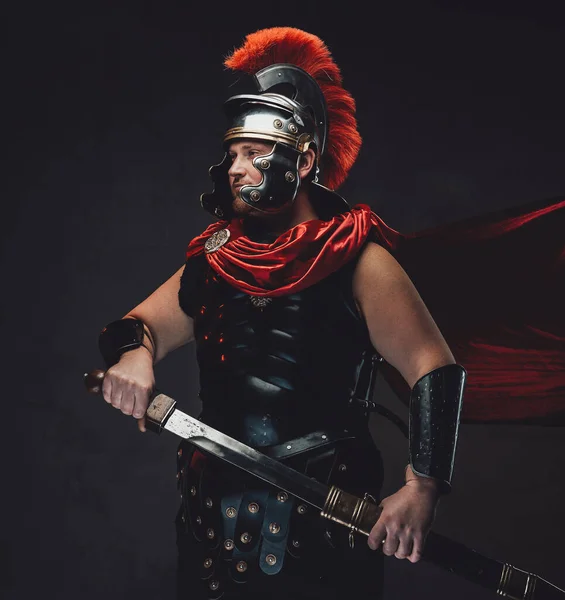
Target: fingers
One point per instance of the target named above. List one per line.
(405, 544)
(128, 400)
(401, 543)
(107, 389)
(141, 425)
(141, 402)
(128, 393)
(417, 549)
(390, 545)
(377, 536)
(117, 394)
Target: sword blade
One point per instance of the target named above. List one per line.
(248, 459)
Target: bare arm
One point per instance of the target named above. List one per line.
(406, 336)
(129, 383)
(400, 326)
(169, 326)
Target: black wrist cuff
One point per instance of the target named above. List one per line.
(435, 408)
(119, 337)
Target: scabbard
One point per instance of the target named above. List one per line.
(503, 579)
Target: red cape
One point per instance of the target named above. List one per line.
(495, 285)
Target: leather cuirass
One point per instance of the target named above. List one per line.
(272, 369)
(280, 374)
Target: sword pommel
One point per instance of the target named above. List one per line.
(93, 381)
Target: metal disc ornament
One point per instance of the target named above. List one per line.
(216, 240)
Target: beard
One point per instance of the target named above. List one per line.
(242, 210)
(256, 222)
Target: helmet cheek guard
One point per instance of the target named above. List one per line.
(219, 201)
(280, 181)
(279, 184)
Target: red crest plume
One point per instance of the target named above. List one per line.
(289, 45)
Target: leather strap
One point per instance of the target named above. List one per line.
(305, 443)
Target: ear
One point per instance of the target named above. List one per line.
(306, 163)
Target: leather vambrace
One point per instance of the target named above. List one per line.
(119, 337)
(435, 408)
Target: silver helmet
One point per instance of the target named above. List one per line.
(289, 110)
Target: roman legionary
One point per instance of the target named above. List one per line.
(294, 300)
(283, 310)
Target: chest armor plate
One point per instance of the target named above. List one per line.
(274, 369)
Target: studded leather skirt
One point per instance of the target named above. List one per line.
(238, 537)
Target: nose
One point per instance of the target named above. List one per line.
(236, 169)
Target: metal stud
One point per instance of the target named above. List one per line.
(210, 533)
(290, 176)
(208, 502)
(274, 527)
(265, 164)
(207, 563)
(245, 537)
(193, 491)
(301, 509)
(270, 559)
(255, 196)
(278, 124)
(183, 519)
(296, 543)
(214, 584)
(282, 496)
(179, 453)
(199, 520)
(241, 566)
(292, 128)
(218, 212)
(253, 507)
(228, 544)
(342, 467)
(231, 512)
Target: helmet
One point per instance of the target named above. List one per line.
(291, 70)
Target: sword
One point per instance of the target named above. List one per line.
(357, 514)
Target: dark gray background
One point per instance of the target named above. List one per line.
(114, 116)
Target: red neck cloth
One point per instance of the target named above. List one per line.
(297, 259)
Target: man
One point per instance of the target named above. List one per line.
(292, 305)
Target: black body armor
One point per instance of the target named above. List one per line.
(290, 376)
(275, 369)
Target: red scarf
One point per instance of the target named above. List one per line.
(494, 284)
(297, 259)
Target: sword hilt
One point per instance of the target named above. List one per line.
(358, 514)
(160, 408)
